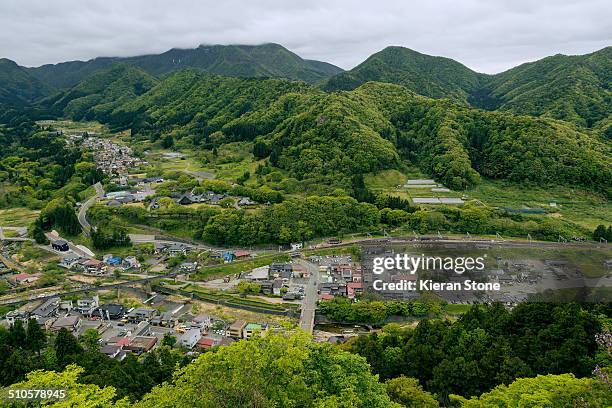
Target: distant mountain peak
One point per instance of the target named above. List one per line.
(264, 60)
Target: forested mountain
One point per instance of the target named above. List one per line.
(101, 93)
(266, 60)
(17, 87)
(332, 137)
(575, 88)
(571, 88)
(436, 77)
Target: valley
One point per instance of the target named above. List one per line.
(203, 213)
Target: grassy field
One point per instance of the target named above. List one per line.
(231, 314)
(236, 299)
(584, 208)
(234, 268)
(458, 309)
(230, 162)
(68, 126)
(17, 217)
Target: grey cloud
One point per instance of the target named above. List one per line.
(488, 36)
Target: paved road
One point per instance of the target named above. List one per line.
(309, 303)
(86, 205)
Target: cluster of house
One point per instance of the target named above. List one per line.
(341, 279)
(273, 278)
(118, 198)
(54, 314)
(146, 325)
(90, 266)
(113, 159)
(208, 197)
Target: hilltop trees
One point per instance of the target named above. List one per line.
(408, 392)
(544, 391)
(60, 214)
(107, 236)
(77, 394)
(487, 346)
(37, 162)
(276, 370)
(601, 232)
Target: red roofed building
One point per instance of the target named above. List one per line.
(242, 254)
(327, 296)
(24, 278)
(207, 343)
(300, 272)
(119, 341)
(354, 288)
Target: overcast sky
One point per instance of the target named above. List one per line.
(486, 35)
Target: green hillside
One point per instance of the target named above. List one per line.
(17, 86)
(574, 88)
(331, 138)
(436, 77)
(101, 93)
(266, 60)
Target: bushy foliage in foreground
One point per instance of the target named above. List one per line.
(487, 346)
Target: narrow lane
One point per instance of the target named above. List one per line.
(82, 215)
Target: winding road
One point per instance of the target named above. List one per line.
(82, 215)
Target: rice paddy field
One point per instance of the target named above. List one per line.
(17, 217)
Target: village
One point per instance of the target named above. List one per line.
(159, 290)
(163, 314)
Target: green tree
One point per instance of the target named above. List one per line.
(65, 345)
(90, 340)
(169, 340)
(408, 392)
(167, 142)
(554, 391)
(36, 337)
(77, 394)
(17, 334)
(89, 172)
(274, 370)
(37, 232)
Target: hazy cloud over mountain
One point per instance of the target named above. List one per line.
(486, 35)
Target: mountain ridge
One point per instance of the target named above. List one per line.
(573, 88)
(231, 60)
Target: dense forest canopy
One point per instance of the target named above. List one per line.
(571, 88)
(488, 346)
(37, 165)
(435, 77)
(481, 360)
